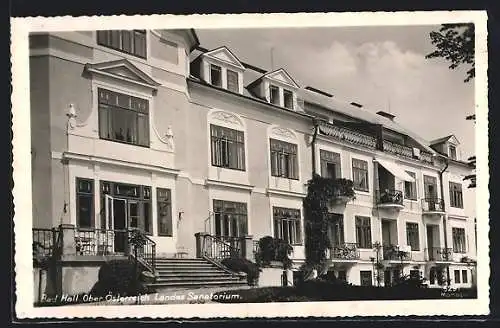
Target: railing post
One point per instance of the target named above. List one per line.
(67, 232)
(200, 238)
(246, 248)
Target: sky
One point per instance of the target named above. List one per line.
(382, 68)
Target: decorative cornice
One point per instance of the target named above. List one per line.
(210, 182)
(226, 117)
(283, 132)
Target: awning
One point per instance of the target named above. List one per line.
(395, 170)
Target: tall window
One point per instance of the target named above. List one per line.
(457, 276)
(132, 42)
(287, 225)
(464, 277)
(411, 187)
(360, 174)
(456, 199)
(363, 232)
(232, 81)
(453, 152)
(215, 75)
(230, 218)
(84, 203)
(123, 118)
(288, 99)
(458, 235)
(430, 187)
(365, 278)
(412, 238)
(330, 164)
(164, 204)
(284, 162)
(274, 95)
(228, 148)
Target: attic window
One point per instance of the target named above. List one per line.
(274, 95)
(288, 99)
(216, 75)
(232, 81)
(453, 152)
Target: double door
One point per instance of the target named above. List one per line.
(120, 215)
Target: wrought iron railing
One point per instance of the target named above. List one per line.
(144, 251)
(438, 254)
(219, 248)
(405, 151)
(90, 242)
(44, 241)
(389, 196)
(394, 253)
(346, 251)
(347, 135)
(432, 205)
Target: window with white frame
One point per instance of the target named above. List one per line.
(216, 75)
(232, 81)
(129, 41)
(453, 152)
(123, 118)
(164, 204)
(288, 99)
(287, 225)
(363, 232)
(360, 174)
(330, 164)
(459, 242)
(456, 199)
(412, 236)
(230, 218)
(411, 187)
(274, 95)
(228, 147)
(85, 203)
(284, 161)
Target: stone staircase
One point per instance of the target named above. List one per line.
(193, 273)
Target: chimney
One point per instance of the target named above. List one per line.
(386, 115)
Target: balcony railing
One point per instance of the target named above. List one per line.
(405, 151)
(438, 254)
(389, 197)
(346, 251)
(44, 241)
(432, 205)
(220, 248)
(394, 253)
(347, 135)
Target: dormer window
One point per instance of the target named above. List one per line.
(232, 81)
(453, 152)
(216, 75)
(274, 95)
(288, 99)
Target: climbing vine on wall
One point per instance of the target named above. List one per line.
(320, 193)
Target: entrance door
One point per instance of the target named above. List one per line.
(430, 242)
(116, 217)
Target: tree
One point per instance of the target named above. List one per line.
(455, 43)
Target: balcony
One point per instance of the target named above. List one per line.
(396, 253)
(405, 151)
(345, 251)
(439, 254)
(341, 190)
(389, 198)
(432, 206)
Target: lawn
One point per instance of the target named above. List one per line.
(326, 291)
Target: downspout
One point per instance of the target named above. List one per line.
(313, 146)
(444, 216)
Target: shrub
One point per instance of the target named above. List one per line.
(243, 265)
(120, 277)
(274, 249)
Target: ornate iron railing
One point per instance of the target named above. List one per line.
(219, 248)
(346, 251)
(144, 251)
(394, 253)
(347, 135)
(44, 241)
(432, 205)
(405, 151)
(438, 254)
(389, 196)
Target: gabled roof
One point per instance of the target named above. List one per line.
(278, 75)
(225, 55)
(124, 70)
(453, 140)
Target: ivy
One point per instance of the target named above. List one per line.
(320, 193)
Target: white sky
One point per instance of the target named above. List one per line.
(383, 68)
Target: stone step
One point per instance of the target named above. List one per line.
(197, 279)
(166, 267)
(193, 284)
(167, 260)
(192, 273)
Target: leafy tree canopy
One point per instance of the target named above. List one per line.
(455, 43)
